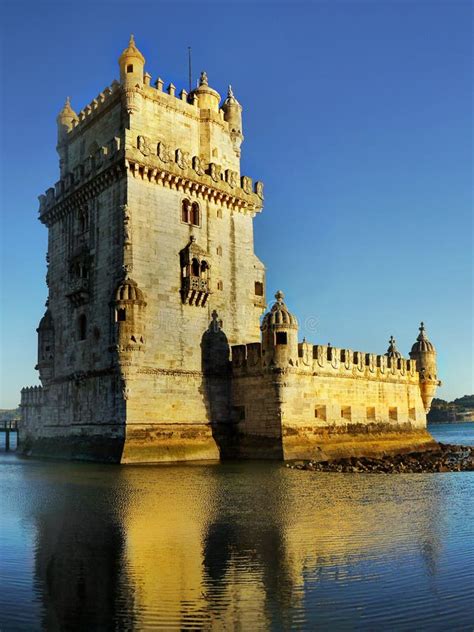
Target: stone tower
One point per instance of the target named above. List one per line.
(150, 232)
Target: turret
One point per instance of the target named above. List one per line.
(128, 316)
(207, 98)
(424, 352)
(392, 352)
(45, 364)
(279, 335)
(132, 65)
(65, 121)
(233, 115)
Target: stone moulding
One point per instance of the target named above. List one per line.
(220, 193)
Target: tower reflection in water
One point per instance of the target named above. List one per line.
(244, 546)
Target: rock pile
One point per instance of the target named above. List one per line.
(447, 458)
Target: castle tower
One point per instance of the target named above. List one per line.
(279, 335)
(424, 352)
(150, 232)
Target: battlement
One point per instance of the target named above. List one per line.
(96, 106)
(82, 173)
(328, 360)
(32, 396)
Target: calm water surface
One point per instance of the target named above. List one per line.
(243, 546)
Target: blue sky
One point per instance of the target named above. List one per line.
(357, 116)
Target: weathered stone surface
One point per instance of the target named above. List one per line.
(151, 348)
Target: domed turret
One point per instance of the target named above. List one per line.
(132, 65)
(233, 115)
(128, 316)
(208, 99)
(45, 364)
(65, 121)
(424, 352)
(392, 351)
(280, 334)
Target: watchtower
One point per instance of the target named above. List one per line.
(150, 231)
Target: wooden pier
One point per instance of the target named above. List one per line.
(9, 427)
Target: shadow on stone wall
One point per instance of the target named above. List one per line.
(215, 353)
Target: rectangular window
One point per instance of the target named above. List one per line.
(281, 338)
(258, 288)
(370, 413)
(346, 413)
(320, 412)
(121, 315)
(130, 68)
(393, 413)
(412, 414)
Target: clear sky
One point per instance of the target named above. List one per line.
(357, 116)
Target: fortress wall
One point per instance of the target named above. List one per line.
(256, 413)
(175, 416)
(329, 416)
(81, 418)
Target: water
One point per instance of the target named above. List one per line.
(240, 546)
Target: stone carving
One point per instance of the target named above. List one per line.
(215, 171)
(246, 184)
(182, 159)
(163, 152)
(197, 165)
(203, 80)
(231, 178)
(144, 145)
(259, 189)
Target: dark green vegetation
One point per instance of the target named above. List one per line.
(441, 410)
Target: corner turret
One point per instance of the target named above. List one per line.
(424, 352)
(207, 98)
(279, 335)
(65, 120)
(132, 65)
(233, 115)
(392, 351)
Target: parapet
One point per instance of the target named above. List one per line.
(92, 166)
(32, 396)
(326, 360)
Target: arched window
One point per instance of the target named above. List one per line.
(204, 268)
(195, 268)
(82, 327)
(130, 68)
(185, 211)
(195, 219)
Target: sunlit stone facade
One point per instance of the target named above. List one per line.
(151, 347)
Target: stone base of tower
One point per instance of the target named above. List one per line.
(167, 443)
(325, 444)
(72, 447)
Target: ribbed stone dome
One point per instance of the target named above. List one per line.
(128, 290)
(132, 51)
(422, 343)
(392, 351)
(279, 316)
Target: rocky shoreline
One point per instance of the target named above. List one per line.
(445, 458)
